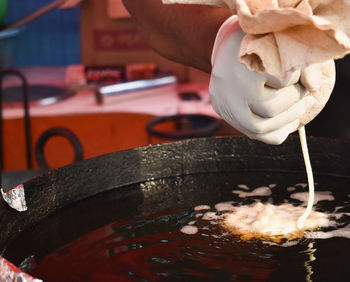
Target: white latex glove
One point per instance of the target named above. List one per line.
(258, 105)
(70, 4)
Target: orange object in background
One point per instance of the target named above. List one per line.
(98, 133)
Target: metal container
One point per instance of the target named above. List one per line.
(167, 176)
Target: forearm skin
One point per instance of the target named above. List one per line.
(182, 33)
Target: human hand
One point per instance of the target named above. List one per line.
(70, 4)
(258, 105)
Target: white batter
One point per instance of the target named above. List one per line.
(267, 221)
(271, 222)
(310, 177)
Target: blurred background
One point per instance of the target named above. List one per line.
(78, 68)
(81, 82)
(50, 40)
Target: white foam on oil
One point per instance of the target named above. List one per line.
(302, 185)
(202, 207)
(267, 220)
(341, 232)
(189, 229)
(272, 223)
(319, 196)
(210, 216)
(243, 186)
(260, 191)
(226, 206)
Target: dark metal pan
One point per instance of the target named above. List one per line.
(152, 175)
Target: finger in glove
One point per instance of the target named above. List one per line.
(260, 125)
(310, 77)
(273, 102)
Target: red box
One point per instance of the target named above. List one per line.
(114, 42)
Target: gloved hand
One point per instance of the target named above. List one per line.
(259, 105)
(70, 4)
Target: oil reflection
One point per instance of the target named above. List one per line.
(310, 251)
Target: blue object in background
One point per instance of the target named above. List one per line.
(51, 40)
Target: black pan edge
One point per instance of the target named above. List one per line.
(58, 188)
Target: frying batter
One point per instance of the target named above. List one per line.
(267, 221)
(270, 222)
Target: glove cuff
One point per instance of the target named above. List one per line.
(230, 26)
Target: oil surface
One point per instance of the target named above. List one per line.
(134, 235)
